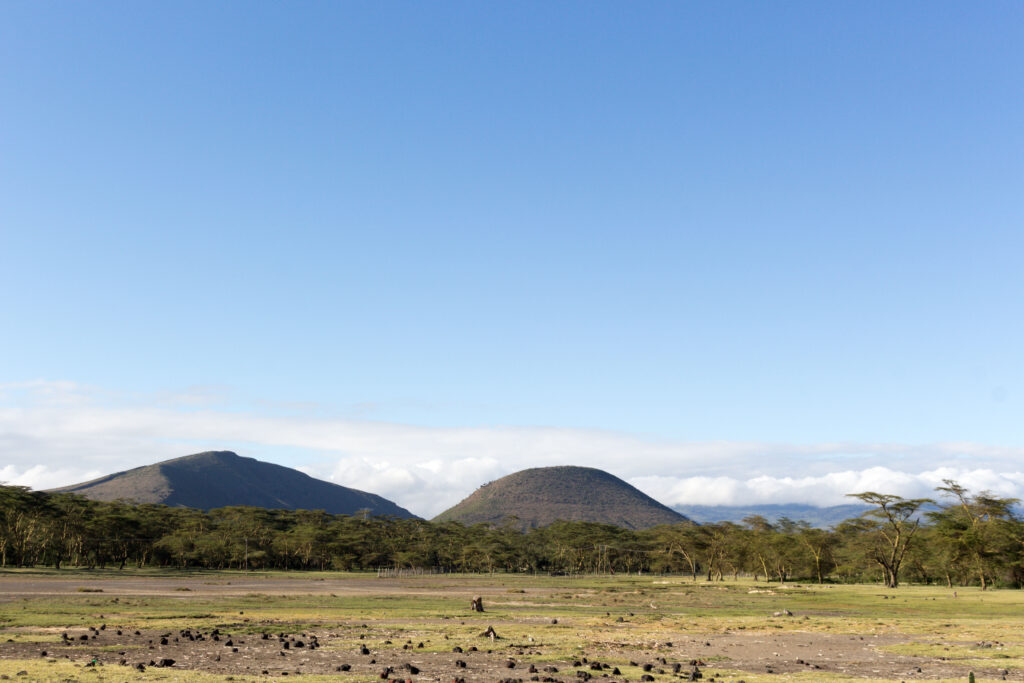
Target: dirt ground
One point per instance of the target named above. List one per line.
(414, 652)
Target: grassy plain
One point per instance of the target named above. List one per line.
(835, 633)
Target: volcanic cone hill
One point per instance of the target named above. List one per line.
(221, 478)
(537, 497)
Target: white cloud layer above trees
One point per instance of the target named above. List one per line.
(59, 433)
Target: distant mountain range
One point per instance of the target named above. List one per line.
(221, 478)
(822, 517)
(539, 496)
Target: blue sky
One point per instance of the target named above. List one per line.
(793, 224)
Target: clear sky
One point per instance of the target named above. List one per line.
(792, 230)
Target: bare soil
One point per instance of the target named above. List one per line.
(338, 649)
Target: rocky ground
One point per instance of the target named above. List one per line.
(343, 654)
(425, 647)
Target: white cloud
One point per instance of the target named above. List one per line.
(43, 477)
(58, 433)
(826, 489)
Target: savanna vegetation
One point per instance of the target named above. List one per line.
(963, 539)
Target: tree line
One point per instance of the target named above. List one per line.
(964, 539)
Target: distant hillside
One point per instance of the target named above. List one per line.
(221, 478)
(537, 497)
(822, 517)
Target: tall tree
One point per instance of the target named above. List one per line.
(819, 544)
(977, 530)
(890, 527)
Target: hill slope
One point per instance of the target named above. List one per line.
(540, 496)
(221, 478)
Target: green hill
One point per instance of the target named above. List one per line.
(537, 497)
(221, 478)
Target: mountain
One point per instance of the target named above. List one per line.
(221, 478)
(822, 517)
(537, 497)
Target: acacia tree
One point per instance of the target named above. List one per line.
(675, 546)
(714, 541)
(819, 544)
(760, 544)
(975, 529)
(890, 526)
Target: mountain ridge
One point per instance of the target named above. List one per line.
(817, 516)
(213, 479)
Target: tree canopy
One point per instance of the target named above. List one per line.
(965, 538)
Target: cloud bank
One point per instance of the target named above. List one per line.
(59, 433)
